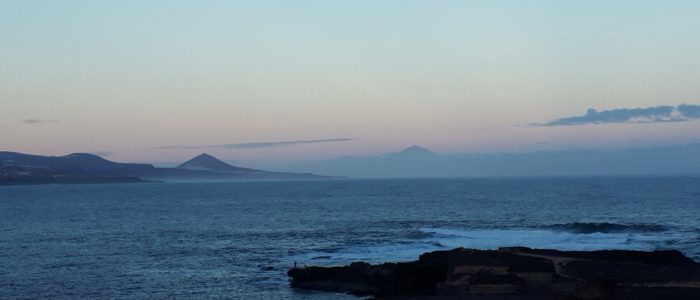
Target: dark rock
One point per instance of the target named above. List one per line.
(597, 289)
(515, 273)
(670, 258)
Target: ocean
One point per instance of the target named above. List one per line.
(236, 240)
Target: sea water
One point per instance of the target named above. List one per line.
(238, 239)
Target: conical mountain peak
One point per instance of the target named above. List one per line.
(415, 151)
(206, 162)
(206, 156)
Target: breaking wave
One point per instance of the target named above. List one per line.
(605, 227)
(570, 236)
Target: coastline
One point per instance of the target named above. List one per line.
(70, 180)
(514, 273)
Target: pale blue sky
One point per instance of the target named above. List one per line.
(455, 76)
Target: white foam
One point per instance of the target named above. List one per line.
(449, 238)
(492, 239)
(370, 253)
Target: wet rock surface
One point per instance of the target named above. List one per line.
(514, 273)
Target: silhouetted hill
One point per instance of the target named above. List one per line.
(18, 168)
(206, 162)
(205, 167)
(82, 164)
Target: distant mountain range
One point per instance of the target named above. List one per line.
(412, 152)
(412, 162)
(419, 162)
(20, 168)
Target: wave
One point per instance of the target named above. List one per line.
(540, 238)
(372, 253)
(605, 227)
(566, 237)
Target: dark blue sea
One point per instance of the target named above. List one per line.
(237, 240)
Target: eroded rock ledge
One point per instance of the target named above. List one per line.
(515, 273)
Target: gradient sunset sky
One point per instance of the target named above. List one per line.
(154, 81)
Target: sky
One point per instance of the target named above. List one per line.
(161, 81)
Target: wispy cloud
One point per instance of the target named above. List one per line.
(38, 121)
(257, 144)
(656, 114)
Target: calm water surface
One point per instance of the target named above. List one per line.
(236, 240)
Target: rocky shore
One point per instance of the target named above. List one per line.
(514, 273)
